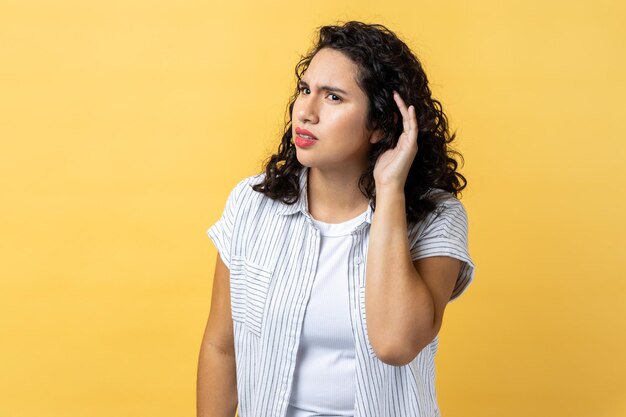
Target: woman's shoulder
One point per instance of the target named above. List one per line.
(447, 206)
(245, 184)
(447, 220)
(244, 196)
(442, 198)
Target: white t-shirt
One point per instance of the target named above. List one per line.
(324, 378)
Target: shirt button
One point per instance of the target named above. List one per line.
(357, 260)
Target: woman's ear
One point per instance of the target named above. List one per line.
(377, 136)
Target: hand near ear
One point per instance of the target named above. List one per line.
(392, 167)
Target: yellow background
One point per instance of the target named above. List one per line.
(124, 125)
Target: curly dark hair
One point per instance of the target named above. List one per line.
(385, 63)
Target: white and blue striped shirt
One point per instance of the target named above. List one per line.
(272, 251)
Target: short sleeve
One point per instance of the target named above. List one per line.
(444, 232)
(221, 232)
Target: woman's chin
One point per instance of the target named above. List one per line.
(305, 160)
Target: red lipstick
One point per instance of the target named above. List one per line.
(304, 138)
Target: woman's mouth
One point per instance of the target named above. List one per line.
(304, 138)
(305, 134)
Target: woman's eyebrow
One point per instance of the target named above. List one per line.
(330, 88)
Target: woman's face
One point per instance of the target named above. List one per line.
(333, 108)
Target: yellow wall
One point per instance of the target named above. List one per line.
(124, 125)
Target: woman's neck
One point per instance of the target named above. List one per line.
(334, 196)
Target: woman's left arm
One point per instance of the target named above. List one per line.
(405, 300)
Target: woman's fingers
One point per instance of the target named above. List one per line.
(413, 120)
(403, 111)
(409, 118)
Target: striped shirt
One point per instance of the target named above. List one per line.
(272, 251)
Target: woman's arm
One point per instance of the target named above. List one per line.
(217, 378)
(404, 307)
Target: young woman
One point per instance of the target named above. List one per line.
(337, 262)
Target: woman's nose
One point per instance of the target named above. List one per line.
(307, 111)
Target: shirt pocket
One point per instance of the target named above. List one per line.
(370, 349)
(249, 286)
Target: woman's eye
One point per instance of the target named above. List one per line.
(307, 90)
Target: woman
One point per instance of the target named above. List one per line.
(336, 264)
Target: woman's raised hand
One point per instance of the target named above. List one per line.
(392, 167)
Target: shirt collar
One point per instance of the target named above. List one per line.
(302, 205)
